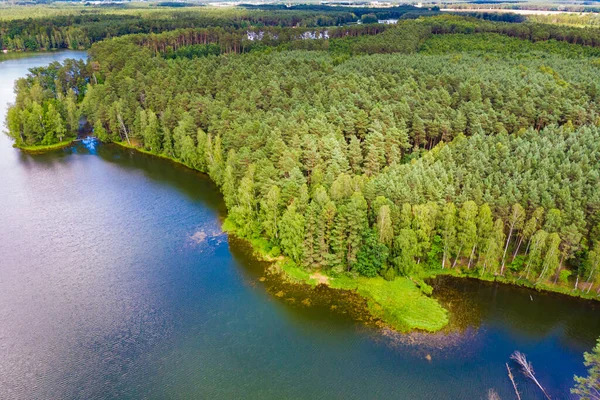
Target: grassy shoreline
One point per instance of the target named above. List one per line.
(44, 148)
(522, 283)
(400, 304)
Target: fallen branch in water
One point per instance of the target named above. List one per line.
(512, 379)
(527, 369)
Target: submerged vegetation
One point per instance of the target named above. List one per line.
(400, 304)
(372, 155)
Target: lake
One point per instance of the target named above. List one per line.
(116, 282)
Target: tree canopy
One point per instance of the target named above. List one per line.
(440, 153)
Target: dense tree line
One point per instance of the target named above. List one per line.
(406, 37)
(489, 44)
(378, 165)
(514, 5)
(527, 31)
(396, 12)
(81, 30)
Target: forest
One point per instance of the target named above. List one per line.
(408, 150)
(79, 28)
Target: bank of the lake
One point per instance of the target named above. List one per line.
(116, 282)
(399, 305)
(44, 148)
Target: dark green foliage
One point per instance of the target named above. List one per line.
(369, 19)
(372, 257)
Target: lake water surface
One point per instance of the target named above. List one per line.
(116, 282)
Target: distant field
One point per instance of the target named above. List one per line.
(45, 11)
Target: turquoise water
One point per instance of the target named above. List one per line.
(116, 282)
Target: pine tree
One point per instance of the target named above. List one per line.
(551, 259)
(418, 131)
(467, 230)
(311, 251)
(150, 133)
(588, 388)
(270, 211)
(324, 237)
(185, 128)
(357, 224)
(338, 237)
(515, 222)
(291, 233)
(406, 248)
(372, 256)
(448, 231)
(553, 221)
(100, 132)
(385, 230)
(355, 155)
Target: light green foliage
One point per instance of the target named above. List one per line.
(385, 230)
(587, 388)
(291, 233)
(447, 230)
(270, 208)
(398, 302)
(100, 132)
(406, 248)
(467, 229)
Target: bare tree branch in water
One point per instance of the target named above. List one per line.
(512, 379)
(527, 369)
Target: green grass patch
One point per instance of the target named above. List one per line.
(42, 148)
(295, 273)
(399, 303)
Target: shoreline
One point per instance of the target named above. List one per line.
(400, 305)
(43, 148)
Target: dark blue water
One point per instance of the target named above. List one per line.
(116, 282)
